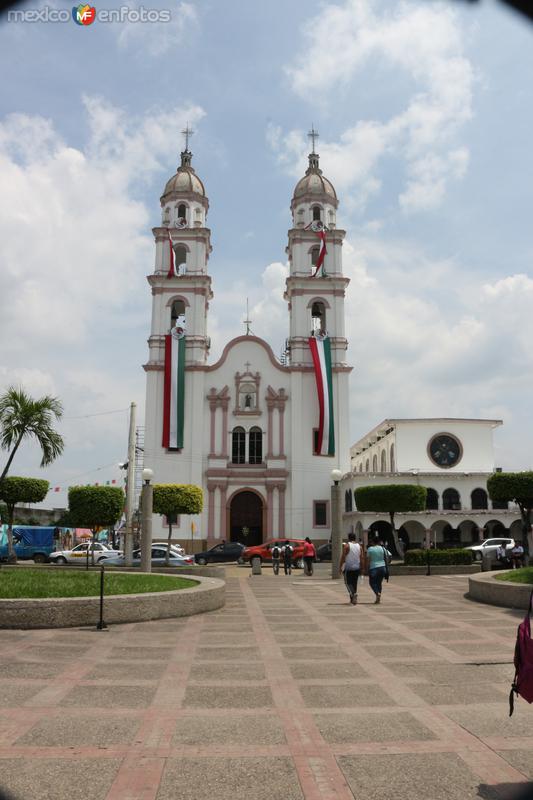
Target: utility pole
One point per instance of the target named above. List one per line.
(130, 490)
(336, 523)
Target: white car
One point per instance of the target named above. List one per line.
(78, 554)
(489, 547)
(158, 558)
(174, 548)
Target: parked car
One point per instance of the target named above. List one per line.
(29, 542)
(490, 547)
(158, 559)
(323, 553)
(221, 553)
(78, 554)
(263, 552)
(176, 548)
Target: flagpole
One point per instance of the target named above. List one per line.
(130, 491)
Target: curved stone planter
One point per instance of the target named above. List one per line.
(486, 589)
(64, 612)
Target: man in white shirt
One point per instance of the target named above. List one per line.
(351, 562)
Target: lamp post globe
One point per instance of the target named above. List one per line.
(147, 474)
(336, 475)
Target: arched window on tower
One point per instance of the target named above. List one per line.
(451, 500)
(318, 317)
(182, 211)
(178, 310)
(180, 259)
(255, 447)
(238, 446)
(316, 212)
(315, 252)
(432, 500)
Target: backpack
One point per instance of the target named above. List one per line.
(523, 661)
(276, 552)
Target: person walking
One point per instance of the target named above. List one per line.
(287, 557)
(351, 562)
(378, 567)
(309, 556)
(276, 556)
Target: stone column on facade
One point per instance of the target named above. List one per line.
(224, 448)
(281, 510)
(281, 415)
(270, 408)
(365, 538)
(223, 500)
(213, 410)
(211, 512)
(270, 493)
(428, 538)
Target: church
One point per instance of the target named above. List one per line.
(258, 434)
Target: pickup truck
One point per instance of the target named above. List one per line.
(29, 542)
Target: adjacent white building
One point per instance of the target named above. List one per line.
(453, 459)
(250, 420)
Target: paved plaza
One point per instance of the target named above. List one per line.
(288, 692)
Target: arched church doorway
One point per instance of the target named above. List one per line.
(246, 518)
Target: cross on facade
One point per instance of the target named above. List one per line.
(247, 365)
(187, 132)
(313, 135)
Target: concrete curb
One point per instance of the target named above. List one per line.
(65, 612)
(436, 569)
(486, 589)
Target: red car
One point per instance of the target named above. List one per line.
(264, 551)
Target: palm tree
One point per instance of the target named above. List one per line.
(22, 417)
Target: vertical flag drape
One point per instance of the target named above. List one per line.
(321, 353)
(323, 250)
(174, 391)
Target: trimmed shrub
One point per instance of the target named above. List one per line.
(419, 558)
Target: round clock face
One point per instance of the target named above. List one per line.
(445, 450)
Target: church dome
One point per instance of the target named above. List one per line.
(185, 181)
(314, 186)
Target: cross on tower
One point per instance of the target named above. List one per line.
(247, 321)
(313, 135)
(187, 132)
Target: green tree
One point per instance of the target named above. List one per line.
(15, 490)
(94, 507)
(21, 417)
(515, 487)
(390, 499)
(171, 499)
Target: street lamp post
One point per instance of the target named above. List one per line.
(336, 523)
(146, 532)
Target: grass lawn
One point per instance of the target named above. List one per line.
(24, 582)
(523, 575)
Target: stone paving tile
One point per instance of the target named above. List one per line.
(209, 673)
(344, 696)
(228, 697)
(450, 635)
(125, 670)
(55, 779)
(480, 648)
(521, 759)
(144, 653)
(399, 651)
(316, 653)
(231, 637)
(410, 776)
(304, 637)
(260, 729)
(344, 728)
(110, 696)
(13, 695)
(229, 778)
(455, 674)
(494, 720)
(81, 731)
(378, 637)
(446, 694)
(227, 654)
(310, 670)
(53, 653)
(30, 669)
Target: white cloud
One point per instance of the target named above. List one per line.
(157, 38)
(341, 48)
(72, 289)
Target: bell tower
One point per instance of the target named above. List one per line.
(315, 287)
(181, 286)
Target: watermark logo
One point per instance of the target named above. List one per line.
(84, 15)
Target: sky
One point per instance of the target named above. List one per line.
(424, 111)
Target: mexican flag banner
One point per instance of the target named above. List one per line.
(174, 389)
(321, 353)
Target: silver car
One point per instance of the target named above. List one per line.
(489, 547)
(158, 559)
(78, 554)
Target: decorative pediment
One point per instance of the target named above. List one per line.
(219, 399)
(247, 393)
(276, 399)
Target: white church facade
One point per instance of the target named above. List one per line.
(260, 437)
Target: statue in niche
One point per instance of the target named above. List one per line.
(248, 398)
